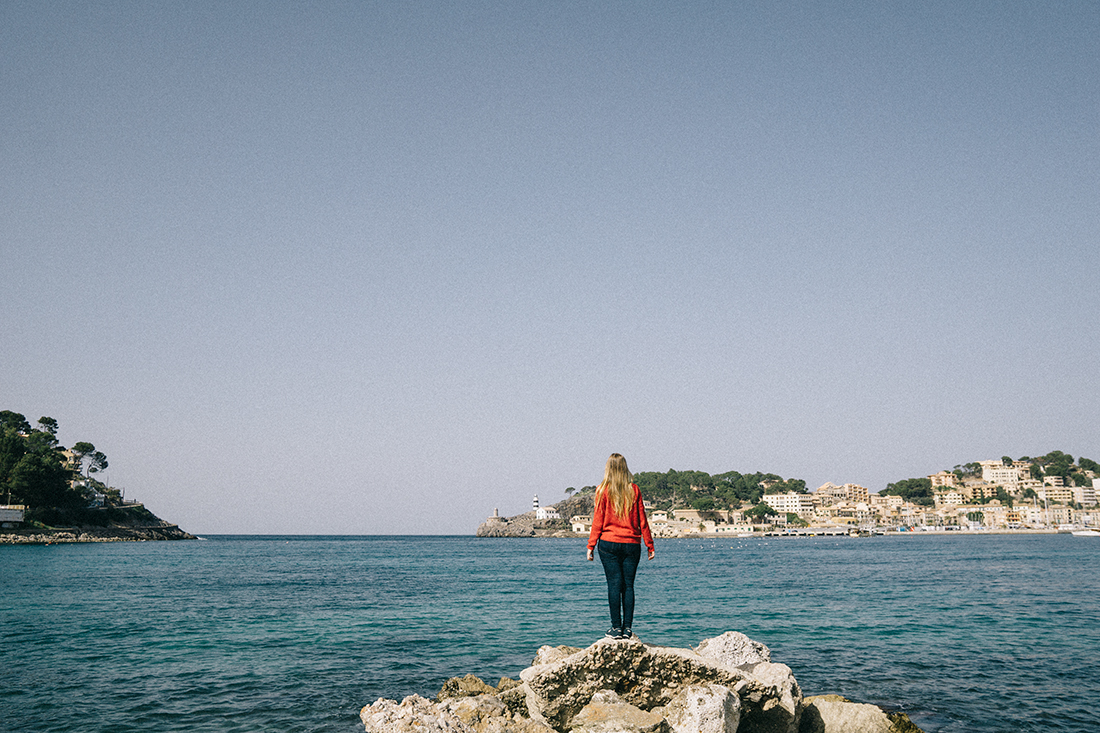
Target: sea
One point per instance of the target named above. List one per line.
(271, 633)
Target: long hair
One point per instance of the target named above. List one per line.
(616, 485)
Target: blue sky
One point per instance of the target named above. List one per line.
(370, 267)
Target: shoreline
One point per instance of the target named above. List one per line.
(76, 535)
(825, 532)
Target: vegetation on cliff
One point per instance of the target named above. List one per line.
(40, 473)
(59, 486)
(699, 490)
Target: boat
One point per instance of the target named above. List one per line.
(1086, 533)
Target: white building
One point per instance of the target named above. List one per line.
(547, 512)
(830, 492)
(996, 472)
(11, 515)
(944, 478)
(1085, 495)
(792, 502)
(1057, 494)
(948, 498)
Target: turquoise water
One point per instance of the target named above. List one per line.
(965, 633)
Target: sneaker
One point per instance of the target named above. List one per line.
(613, 633)
(626, 634)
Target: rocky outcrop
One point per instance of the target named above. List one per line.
(834, 714)
(526, 525)
(143, 533)
(606, 712)
(725, 685)
(704, 709)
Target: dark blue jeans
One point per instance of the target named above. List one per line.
(620, 565)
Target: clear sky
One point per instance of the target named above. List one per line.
(382, 267)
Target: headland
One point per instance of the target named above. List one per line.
(128, 523)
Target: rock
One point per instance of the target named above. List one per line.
(550, 654)
(834, 714)
(515, 698)
(725, 685)
(771, 698)
(704, 709)
(607, 713)
(467, 686)
(483, 714)
(651, 676)
(902, 724)
(734, 649)
(414, 714)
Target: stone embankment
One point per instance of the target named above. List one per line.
(141, 533)
(725, 685)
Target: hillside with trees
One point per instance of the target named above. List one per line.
(698, 490)
(60, 487)
(1056, 463)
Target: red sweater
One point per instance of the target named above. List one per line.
(631, 529)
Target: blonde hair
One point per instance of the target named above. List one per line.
(616, 485)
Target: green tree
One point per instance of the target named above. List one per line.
(13, 447)
(1007, 460)
(41, 480)
(915, 490)
(14, 421)
(1089, 465)
(32, 468)
(97, 462)
(978, 517)
(703, 504)
(81, 451)
(1057, 463)
(760, 511)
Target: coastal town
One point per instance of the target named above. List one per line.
(992, 496)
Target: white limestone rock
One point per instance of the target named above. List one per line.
(734, 649)
(704, 709)
(607, 713)
(649, 676)
(549, 654)
(772, 688)
(483, 713)
(414, 714)
(835, 716)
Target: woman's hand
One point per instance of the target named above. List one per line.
(651, 553)
(590, 557)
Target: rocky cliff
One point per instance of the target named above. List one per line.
(132, 523)
(725, 685)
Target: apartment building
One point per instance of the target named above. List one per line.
(791, 502)
(948, 498)
(943, 478)
(996, 472)
(831, 493)
(1056, 494)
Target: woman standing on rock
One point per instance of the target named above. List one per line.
(618, 526)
